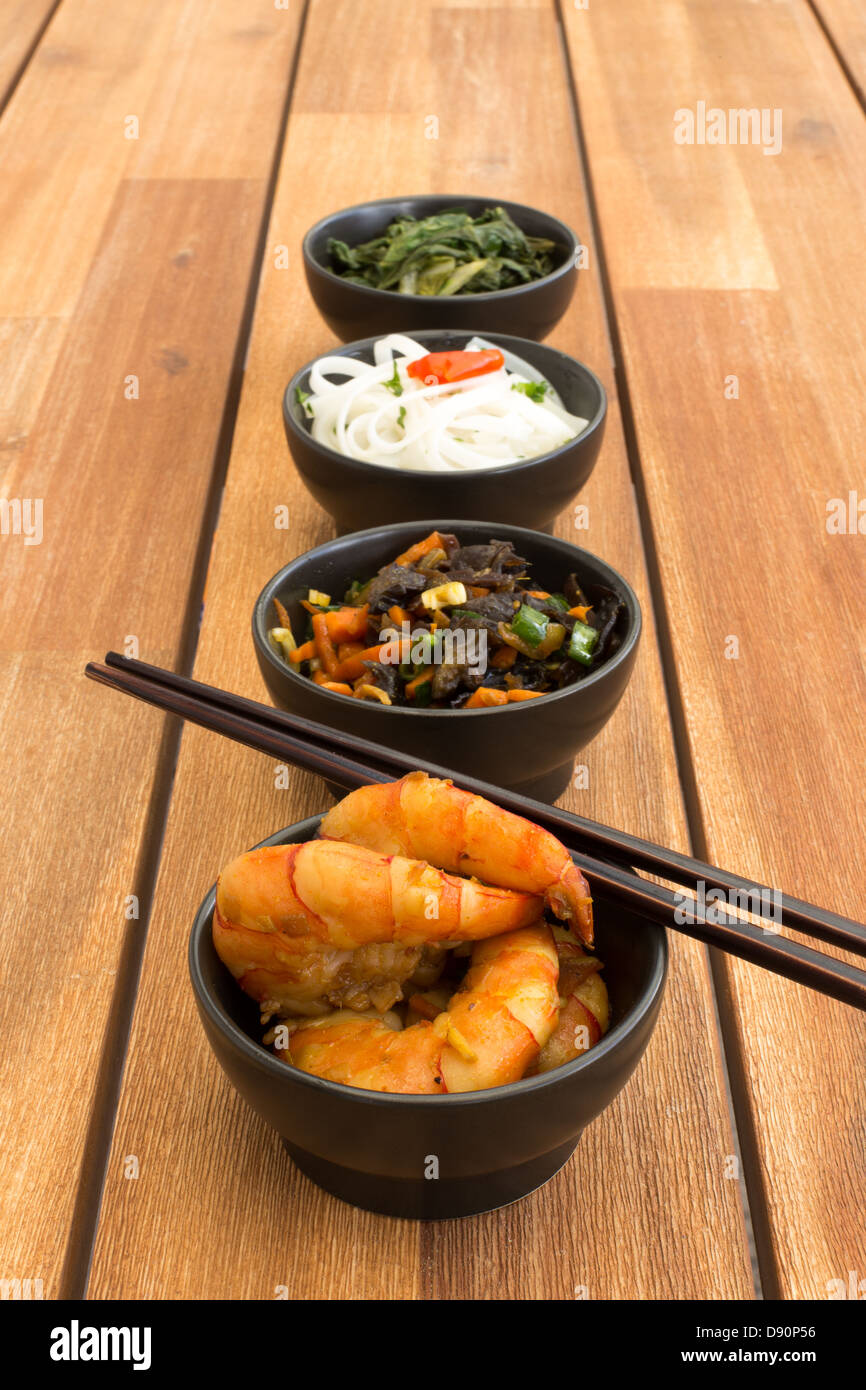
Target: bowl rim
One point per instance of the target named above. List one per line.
(272, 1067)
(570, 239)
(260, 637)
(381, 470)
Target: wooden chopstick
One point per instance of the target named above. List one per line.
(613, 845)
(252, 724)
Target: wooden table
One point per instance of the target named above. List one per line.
(161, 163)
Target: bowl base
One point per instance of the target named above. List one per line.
(436, 1199)
(548, 787)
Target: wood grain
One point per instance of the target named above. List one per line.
(105, 278)
(644, 1208)
(738, 489)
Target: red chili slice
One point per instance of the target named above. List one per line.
(445, 367)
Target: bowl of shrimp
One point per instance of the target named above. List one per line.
(417, 991)
(518, 726)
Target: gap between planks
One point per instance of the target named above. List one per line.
(847, 71)
(753, 1195)
(24, 62)
(75, 1273)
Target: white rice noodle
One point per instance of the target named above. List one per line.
(478, 423)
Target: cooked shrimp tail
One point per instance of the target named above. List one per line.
(427, 818)
(306, 928)
(584, 1015)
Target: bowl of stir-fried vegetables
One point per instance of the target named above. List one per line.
(488, 648)
(440, 261)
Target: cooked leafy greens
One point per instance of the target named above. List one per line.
(448, 253)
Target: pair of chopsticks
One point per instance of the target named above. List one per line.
(352, 762)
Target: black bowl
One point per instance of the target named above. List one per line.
(528, 746)
(532, 493)
(355, 311)
(490, 1147)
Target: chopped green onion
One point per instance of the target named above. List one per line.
(423, 694)
(559, 601)
(354, 591)
(583, 643)
(282, 641)
(395, 385)
(424, 649)
(401, 415)
(302, 397)
(467, 613)
(529, 625)
(535, 390)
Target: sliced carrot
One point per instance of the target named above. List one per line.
(514, 695)
(324, 646)
(505, 657)
(415, 552)
(537, 593)
(398, 615)
(579, 612)
(348, 624)
(347, 649)
(484, 697)
(320, 678)
(339, 687)
(412, 686)
(353, 667)
(478, 591)
(305, 652)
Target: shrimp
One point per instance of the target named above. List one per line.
(431, 819)
(584, 1014)
(310, 927)
(492, 1030)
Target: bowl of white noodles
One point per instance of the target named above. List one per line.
(411, 425)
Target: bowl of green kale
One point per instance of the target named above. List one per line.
(441, 261)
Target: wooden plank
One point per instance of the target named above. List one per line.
(739, 488)
(181, 71)
(845, 23)
(679, 1231)
(158, 276)
(28, 350)
(21, 24)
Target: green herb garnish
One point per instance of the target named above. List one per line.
(395, 384)
(302, 397)
(535, 390)
(401, 415)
